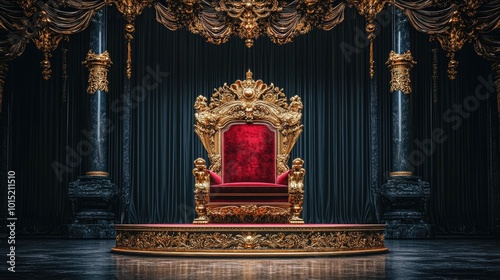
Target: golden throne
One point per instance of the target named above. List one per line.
(248, 131)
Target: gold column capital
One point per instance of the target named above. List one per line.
(400, 65)
(98, 65)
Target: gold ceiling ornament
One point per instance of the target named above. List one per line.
(28, 7)
(46, 41)
(369, 9)
(453, 40)
(400, 65)
(249, 17)
(3, 73)
(98, 65)
(130, 9)
(496, 69)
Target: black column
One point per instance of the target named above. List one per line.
(94, 196)
(404, 198)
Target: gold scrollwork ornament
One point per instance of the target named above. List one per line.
(98, 65)
(400, 65)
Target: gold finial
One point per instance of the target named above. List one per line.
(249, 75)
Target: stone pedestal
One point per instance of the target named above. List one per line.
(404, 206)
(94, 201)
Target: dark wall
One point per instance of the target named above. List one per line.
(329, 70)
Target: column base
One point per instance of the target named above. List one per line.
(94, 201)
(409, 231)
(403, 205)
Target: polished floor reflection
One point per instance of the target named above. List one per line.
(406, 259)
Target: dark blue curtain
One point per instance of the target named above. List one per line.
(329, 70)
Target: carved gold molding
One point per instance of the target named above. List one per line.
(249, 16)
(3, 73)
(454, 39)
(246, 241)
(400, 65)
(98, 65)
(46, 41)
(248, 214)
(130, 9)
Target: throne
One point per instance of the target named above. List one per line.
(248, 131)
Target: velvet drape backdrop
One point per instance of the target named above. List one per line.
(329, 70)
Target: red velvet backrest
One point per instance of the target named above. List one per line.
(249, 153)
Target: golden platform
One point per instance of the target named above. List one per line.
(249, 240)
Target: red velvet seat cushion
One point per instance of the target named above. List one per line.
(250, 192)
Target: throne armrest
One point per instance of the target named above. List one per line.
(215, 179)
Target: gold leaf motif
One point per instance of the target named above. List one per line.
(248, 16)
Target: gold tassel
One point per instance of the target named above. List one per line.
(372, 60)
(64, 74)
(129, 60)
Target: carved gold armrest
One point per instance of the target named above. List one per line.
(201, 190)
(296, 190)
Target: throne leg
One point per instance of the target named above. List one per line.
(296, 199)
(201, 209)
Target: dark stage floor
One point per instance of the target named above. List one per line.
(406, 259)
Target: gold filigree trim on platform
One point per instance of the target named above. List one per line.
(98, 65)
(248, 214)
(400, 65)
(249, 241)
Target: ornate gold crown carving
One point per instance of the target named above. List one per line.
(249, 101)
